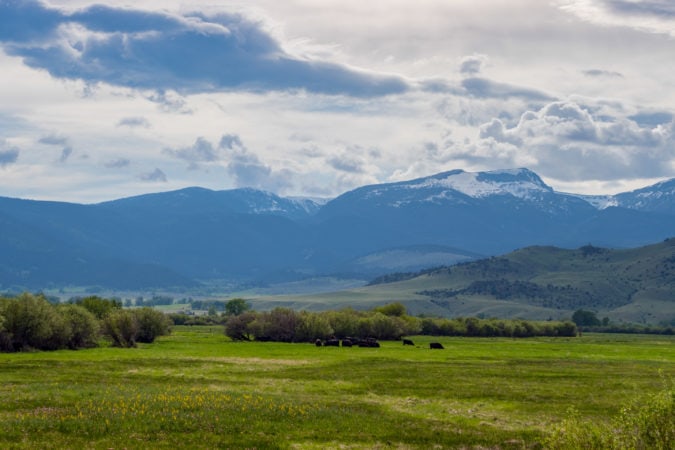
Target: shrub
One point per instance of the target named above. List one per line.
(121, 327)
(313, 326)
(237, 327)
(151, 324)
(647, 423)
(31, 322)
(99, 307)
(84, 327)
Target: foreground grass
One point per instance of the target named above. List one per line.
(195, 389)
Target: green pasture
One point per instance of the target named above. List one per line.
(197, 389)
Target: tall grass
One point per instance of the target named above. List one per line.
(646, 423)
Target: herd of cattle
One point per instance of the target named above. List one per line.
(368, 342)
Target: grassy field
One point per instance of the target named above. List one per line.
(196, 389)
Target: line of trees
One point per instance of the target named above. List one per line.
(31, 322)
(388, 322)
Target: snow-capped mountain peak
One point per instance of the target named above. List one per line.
(520, 183)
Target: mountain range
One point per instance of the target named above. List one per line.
(194, 236)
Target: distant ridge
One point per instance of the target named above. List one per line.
(193, 236)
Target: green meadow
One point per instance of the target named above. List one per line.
(197, 389)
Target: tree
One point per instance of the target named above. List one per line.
(151, 324)
(32, 322)
(584, 318)
(237, 327)
(121, 327)
(236, 306)
(99, 307)
(84, 327)
(392, 309)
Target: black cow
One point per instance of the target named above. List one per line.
(408, 342)
(436, 345)
(369, 342)
(332, 343)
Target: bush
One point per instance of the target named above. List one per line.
(121, 327)
(31, 322)
(237, 327)
(644, 424)
(84, 328)
(313, 326)
(151, 324)
(99, 307)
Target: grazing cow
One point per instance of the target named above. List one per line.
(408, 342)
(369, 342)
(436, 345)
(318, 343)
(332, 342)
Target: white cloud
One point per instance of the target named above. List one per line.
(584, 102)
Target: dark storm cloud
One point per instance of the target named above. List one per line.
(161, 51)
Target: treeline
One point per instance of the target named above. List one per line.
(31, 322)
(389, 322)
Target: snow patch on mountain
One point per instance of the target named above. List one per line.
(520, 183)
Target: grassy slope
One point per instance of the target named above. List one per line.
(195, 389)
(635, 285)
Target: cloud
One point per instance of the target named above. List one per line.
(156, 175)
(8, 155)
(653, 16)
(347, 163)
(602, 73)
(190, 53)
(576, 141)
(201, 151)
(248, 170)
(53, 139)
(117, 163)
(485, 88)
(134, 122)
(472, 65)
(65, 154)
(58, 141)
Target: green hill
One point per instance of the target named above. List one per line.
(628, 285)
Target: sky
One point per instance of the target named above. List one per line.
(312, 98)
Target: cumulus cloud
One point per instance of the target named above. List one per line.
(156, 175)
(248, 170)
(134, 122)
(162, 51)
(472, 65)
(201, 151)
(574, 141)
